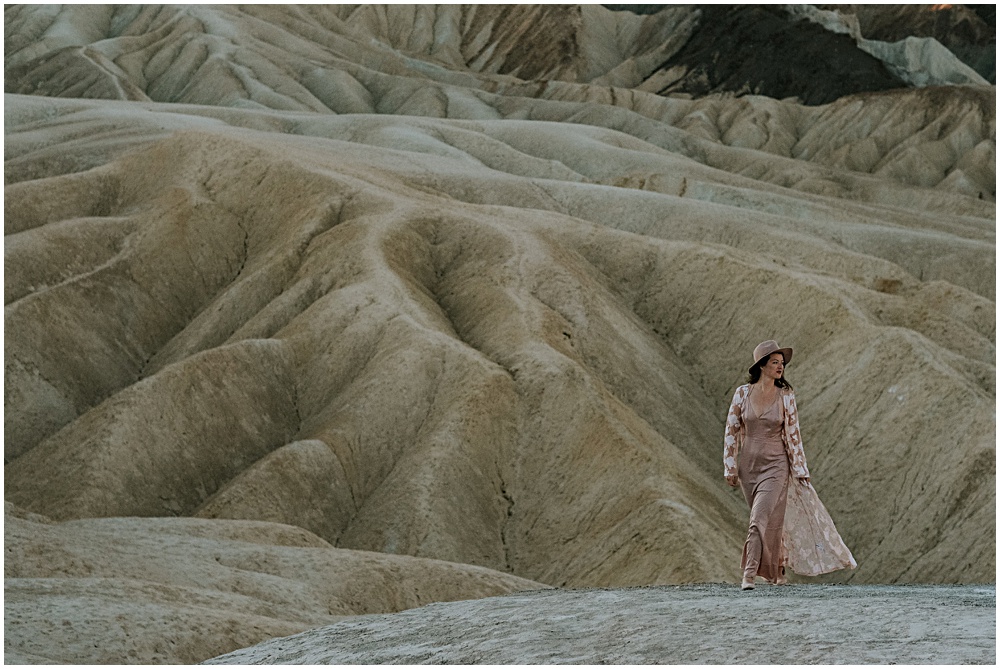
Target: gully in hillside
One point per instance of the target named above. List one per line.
(789, 527)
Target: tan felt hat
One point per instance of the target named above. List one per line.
(766, 348)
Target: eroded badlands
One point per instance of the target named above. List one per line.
(436, 319)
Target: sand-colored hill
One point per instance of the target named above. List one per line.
(338, 270)
(417, 330)
(179, 590)
(322, 59)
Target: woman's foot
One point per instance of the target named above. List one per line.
(781, 579)
(747, 583)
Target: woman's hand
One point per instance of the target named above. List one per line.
(732, 480)
(804, 480)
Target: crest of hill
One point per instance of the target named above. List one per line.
(968, 31)
(764, 50)
(162, 52)
(326, 60)
(951, 25)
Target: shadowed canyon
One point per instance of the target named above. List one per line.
(322, 311)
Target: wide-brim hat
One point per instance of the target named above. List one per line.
(766, 348)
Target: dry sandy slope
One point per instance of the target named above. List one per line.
(445, 339)
(179, 590)
(706, 624)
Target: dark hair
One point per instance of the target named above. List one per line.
(754, 375)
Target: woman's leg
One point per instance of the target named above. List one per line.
(752, 546)
(762, 548)
(772, 554)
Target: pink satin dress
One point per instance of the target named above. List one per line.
(764, 475)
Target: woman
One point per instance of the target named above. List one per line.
(789, 527)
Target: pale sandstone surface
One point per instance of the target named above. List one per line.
(702, 624)
(341, 269)
(179, 590)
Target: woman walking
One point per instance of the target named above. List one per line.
(789, 527)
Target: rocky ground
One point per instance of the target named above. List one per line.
(698, 624)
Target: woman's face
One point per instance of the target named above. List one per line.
(774, 367)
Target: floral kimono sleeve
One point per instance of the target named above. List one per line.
(793, 440)
(734, 433)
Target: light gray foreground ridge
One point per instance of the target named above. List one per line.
(695, 624)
